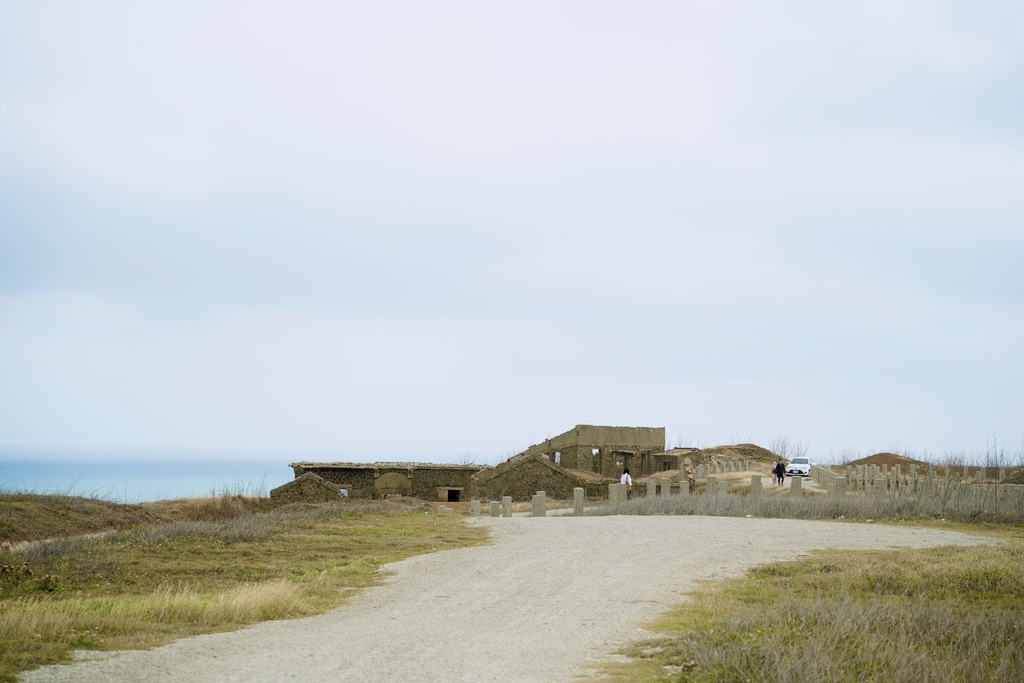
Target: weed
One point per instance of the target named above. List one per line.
(148, 584)
(817, 506)
(936, 615)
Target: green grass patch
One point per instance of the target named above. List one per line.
(149, 584)
(936, 615)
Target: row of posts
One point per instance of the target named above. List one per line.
(616, 495)
(863, 476)
(881, 483)
(716, 468)
(886, 483)
(617, 492)
(503, 508)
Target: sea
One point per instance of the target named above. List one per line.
(134, 476)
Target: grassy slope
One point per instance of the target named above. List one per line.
(25, 517)
(214, 566)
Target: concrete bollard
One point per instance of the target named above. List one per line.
(755, 486)
(495, 509)
(841, 486)
(880, 490)
(474, 508)
(666, 486)
(652, 488)
(540, 507)
(796, 486)
(613, 494)
(684, 487)
(578, 496)
(711, 485)
(506, 504)
(621, 495)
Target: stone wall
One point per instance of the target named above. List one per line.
(524, 475)
(308, 487)
(419, 480)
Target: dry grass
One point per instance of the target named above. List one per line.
(778, 504)
(938, 615)
(208, 571)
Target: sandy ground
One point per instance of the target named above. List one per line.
(547, 597)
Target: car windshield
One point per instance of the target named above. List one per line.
(799, 461)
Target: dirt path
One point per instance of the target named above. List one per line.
(547, 597)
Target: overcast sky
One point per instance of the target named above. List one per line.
(463, 227)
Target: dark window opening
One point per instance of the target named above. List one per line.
(454, 495)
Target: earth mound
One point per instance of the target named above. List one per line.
(31, 516)
(885, 458)
(742, 451)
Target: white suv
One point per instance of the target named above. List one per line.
(799, 467)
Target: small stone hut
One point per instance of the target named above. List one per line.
(446, 483)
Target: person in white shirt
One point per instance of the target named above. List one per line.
(628, 481)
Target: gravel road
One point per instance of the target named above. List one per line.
(548, 596)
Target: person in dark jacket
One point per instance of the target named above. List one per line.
(780, 472)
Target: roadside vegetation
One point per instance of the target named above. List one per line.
(205, 565)
(781, 503)
(936, 615)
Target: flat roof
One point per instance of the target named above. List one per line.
(388, 465)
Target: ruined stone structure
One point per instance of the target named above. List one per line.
(587, 456)
(673, 459)
(604, 450)
(307, 488)
(523, 475)
(446, 483)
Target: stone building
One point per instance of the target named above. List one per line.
(673, 458)
(604, 450)
(446, 483)
(586, 456)
(523, 475)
